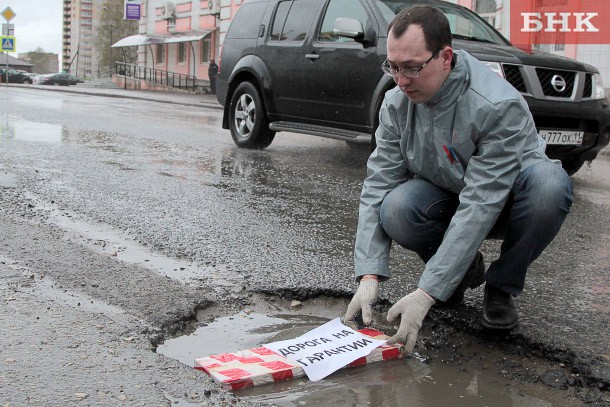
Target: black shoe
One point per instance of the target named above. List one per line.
(499, 312)
(475, 276)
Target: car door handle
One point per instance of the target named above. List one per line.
(312, 56)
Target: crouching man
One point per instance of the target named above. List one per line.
(458, 160)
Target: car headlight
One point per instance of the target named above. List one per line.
(495, 67)
(598, 91)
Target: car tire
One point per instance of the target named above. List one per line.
(247, 118)
(27, 81)
(373, 144)
(572, 165)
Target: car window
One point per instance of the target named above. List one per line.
(247, 21)
(462, 26)
(341, 8)
(292, 20)
(464, 23)
(280, 18)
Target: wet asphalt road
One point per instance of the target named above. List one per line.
(80, 173)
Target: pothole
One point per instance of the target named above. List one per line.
(266, 319)
(464, 372)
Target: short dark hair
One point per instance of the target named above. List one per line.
(433, 22)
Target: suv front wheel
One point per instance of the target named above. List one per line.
(572, 165)
(247, 119)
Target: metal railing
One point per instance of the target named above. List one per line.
(172, 79)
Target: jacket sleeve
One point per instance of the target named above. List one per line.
(488, 180)
(386, 169)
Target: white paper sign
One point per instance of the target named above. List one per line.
(326, 349)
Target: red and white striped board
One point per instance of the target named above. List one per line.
(257, 366)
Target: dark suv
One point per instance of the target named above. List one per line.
(314, 67)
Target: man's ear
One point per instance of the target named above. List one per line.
(447, 55)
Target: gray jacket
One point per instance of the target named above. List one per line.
(488, 125)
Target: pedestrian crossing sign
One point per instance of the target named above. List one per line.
(8, 43)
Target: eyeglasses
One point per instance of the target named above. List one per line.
(406, 72)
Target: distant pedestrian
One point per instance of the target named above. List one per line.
(212, 73)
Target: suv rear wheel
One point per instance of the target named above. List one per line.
(247, 120)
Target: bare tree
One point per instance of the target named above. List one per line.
(40, 59)
(111, 28)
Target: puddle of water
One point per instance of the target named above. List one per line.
(407, 382)
(237, 332)
(395, 383)
(32, 131)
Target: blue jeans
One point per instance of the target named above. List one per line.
(539, 202)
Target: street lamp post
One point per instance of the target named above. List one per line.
(111, 53)
(9, 31)
(109, 17)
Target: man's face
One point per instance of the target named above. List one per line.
(409, 51)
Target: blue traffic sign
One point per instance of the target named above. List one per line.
(8, 43)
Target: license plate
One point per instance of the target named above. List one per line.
(562, 137)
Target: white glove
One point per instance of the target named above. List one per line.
(413, 308)
(363, 300)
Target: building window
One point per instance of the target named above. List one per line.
(560, 39)
(160, 57)
(205, 49)
(181, 52)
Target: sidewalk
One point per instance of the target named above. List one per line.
(176, 97)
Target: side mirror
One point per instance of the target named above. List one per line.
(349, 27)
